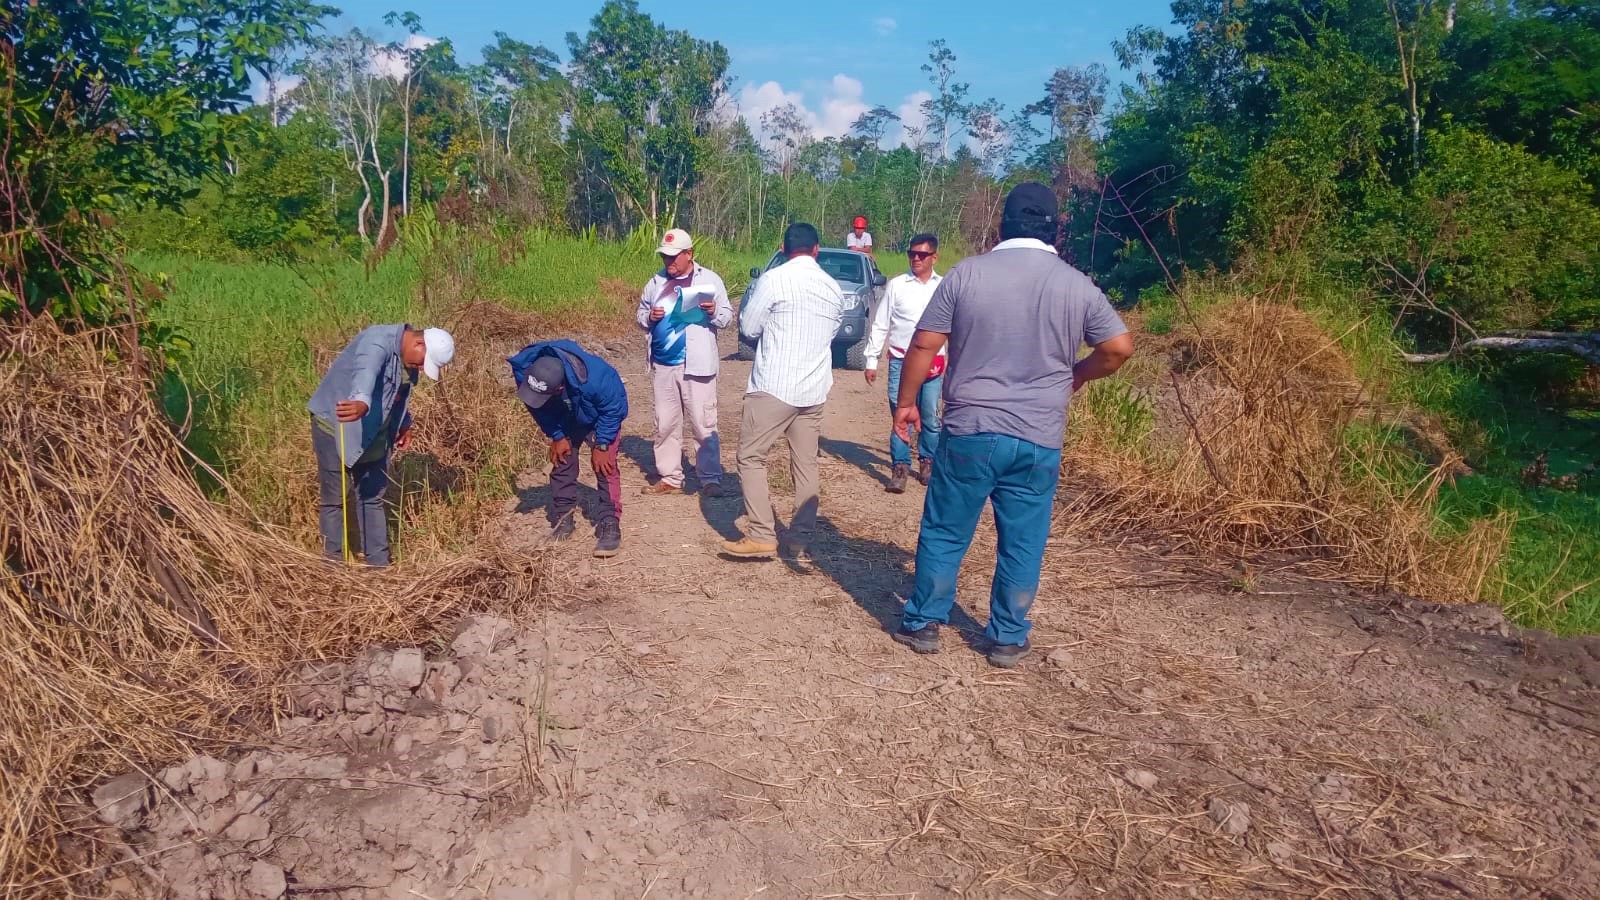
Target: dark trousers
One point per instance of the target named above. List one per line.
(564, 483)
(359, 491)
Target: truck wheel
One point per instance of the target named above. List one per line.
(852, 357)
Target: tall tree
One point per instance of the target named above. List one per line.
(645, 101)
(946, 110)
(341, 86)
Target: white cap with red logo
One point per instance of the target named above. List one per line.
(674, 242)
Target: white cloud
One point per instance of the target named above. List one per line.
(884, 25)
(392, 63)
(286, 83)
(843, 101)
(756, 100)
(841, 107)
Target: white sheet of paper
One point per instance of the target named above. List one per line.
(694, 295)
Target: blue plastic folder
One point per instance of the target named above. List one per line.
(687, 311)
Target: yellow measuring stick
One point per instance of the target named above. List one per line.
(344, 497)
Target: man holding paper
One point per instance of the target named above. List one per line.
(681, 308)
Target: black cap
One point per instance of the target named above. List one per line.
(544, 379)
(1031, 203)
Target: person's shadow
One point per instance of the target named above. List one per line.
(859, 456)
(875, 574)
(537, 499)
(641, 451)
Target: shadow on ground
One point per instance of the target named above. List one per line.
(641, 451)
(877, 576)
(536, 500)
(858, 455)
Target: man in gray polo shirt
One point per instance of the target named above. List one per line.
(1014, 319)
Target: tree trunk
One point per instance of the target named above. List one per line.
(385, 221)
(1408, 75)
(405, 164)
(366, 204)
(1584, 345)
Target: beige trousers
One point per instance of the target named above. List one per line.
(766, 418)
(679, 396)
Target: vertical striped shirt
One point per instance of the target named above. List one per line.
(792, 314)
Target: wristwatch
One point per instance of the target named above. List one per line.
(603, 448)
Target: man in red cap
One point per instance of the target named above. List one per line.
(859, 238)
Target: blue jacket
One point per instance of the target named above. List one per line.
(369, 369)
(594, 397)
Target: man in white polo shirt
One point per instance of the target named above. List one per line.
(893, 323)
(791, 314)
(683, 362)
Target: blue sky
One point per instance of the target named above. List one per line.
(833, 58)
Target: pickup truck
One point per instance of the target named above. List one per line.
(863, 285)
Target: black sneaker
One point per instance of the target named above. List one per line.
(897, 478)
(563, 528)
(923, 640)
(1006, 656)
(608, 538)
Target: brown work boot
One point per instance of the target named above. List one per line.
(712, 489)
(661, 487)
(897, 478)
(925, 470)
(744, 548)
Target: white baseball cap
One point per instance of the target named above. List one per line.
(441, 349)
(674, 242)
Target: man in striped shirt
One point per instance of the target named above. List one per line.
(791, 316)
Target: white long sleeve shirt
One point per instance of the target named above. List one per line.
(895, 320)
(792, 314)
(700, 355)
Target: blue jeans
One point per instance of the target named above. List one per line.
(927, 404)
(1020, 479)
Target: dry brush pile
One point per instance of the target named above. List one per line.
(140, 619)
(1246, 433)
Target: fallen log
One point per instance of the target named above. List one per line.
(1584, 345)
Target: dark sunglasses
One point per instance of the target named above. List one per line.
(921, 254)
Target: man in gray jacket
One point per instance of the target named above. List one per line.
(358, 415)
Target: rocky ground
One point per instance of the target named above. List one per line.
(683, 725)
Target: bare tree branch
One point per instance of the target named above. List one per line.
(1584, 345)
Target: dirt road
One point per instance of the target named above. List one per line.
(687, 725)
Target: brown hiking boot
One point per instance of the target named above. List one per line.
(925, 470)
(712, 489)
(744, 548)
(661, 487)
(897, 479)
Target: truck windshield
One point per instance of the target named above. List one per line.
(843, 265)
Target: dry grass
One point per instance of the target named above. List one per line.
(139, 619)
(1248, 435)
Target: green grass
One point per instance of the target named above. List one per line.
(1550, 577)
(1500, 420)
